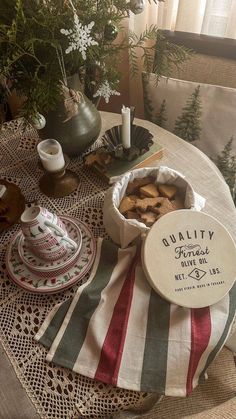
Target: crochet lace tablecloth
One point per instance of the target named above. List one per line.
(53, 390)
(56, 391)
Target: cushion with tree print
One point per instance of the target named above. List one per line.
(202, 114)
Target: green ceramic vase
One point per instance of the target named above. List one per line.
(79, 132)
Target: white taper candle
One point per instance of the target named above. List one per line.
(125, 130)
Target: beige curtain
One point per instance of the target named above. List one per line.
(209, 17)
(137, 24)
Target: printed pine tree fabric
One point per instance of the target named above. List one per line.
(119, 331)
(217, 105)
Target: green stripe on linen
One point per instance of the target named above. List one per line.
(156, 346)
(72, 340)
(221, 342)
(50, 333)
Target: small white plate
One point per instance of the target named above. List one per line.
(189, 258)
(21, 275)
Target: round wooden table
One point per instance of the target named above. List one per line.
(179, 155)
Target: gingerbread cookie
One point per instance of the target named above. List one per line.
(163, 206)
(99, 158)
(168, 191)
(132, 215)
(133, 197)
(149, 190)
(134, 186)
(148, 218)
(146, 203)
(126, 205)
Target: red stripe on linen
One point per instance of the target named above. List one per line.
(112, 349)
(200, 335)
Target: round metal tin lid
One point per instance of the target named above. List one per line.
(189, 258)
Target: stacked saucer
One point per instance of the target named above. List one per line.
(51, 254)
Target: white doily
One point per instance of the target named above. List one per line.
(54, 391)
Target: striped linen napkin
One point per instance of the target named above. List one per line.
(117, 330)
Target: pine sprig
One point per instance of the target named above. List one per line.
(30, 38)
(157, 53)
(168, 55)
(144, 43)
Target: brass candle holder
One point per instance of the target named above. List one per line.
(58, 184)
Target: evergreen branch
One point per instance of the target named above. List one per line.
(168, 54)
(30, 36)
(158, 54)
